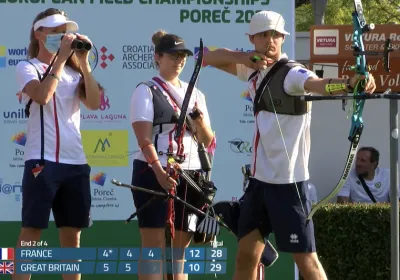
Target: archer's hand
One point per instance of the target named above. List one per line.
(165, 180)
(197, 115)
(257, 61)
(370, 85)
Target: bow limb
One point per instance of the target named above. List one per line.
(179, 134)
(189, 91)
(357, 123)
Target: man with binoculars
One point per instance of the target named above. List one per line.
(53, 82)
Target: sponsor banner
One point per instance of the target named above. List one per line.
(336, 40)
(383, 79)
(106, 147)
(333, 44)
(122, 56)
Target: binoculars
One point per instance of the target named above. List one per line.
(80, 45)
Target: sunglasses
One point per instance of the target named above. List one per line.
(177, 55)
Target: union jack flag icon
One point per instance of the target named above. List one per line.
(6, 267)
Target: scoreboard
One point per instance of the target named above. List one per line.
(43, 260)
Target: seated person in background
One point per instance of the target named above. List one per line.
(313, 192)
(367, 183)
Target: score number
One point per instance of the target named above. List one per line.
(216, 254)
(110, 254)
(194, 268)
(151, 254)
(216, 267)
(106, 267)
(194, 254)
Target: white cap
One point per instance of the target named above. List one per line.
(267, 20)
(54, 21)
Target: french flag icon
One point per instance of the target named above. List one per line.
(7, 254)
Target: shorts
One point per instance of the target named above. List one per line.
(277, 208)
(63, 188)
(154, 214)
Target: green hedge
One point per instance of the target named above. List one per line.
(353, 241)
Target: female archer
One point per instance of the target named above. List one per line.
(154, 111)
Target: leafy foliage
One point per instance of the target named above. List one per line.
(338, 12)
(298, 3)
(353, 241)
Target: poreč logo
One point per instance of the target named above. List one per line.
(99, 178)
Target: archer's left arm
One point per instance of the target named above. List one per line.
(91, 96)
(337, 86)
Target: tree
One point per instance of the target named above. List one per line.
(338, 12)
(299, 3)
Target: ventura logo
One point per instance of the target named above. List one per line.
(99, 178)
(19, 138)
(12, 56)
(326, 41)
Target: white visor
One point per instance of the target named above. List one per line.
(54, 21)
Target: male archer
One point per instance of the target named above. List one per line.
(277, 198)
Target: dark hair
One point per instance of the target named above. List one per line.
(374, 154)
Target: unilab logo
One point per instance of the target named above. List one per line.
(106, 147)
(12, 56)
(19, 138)
(99, 178)
(15, 116)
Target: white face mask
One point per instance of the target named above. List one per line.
(53, 42)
